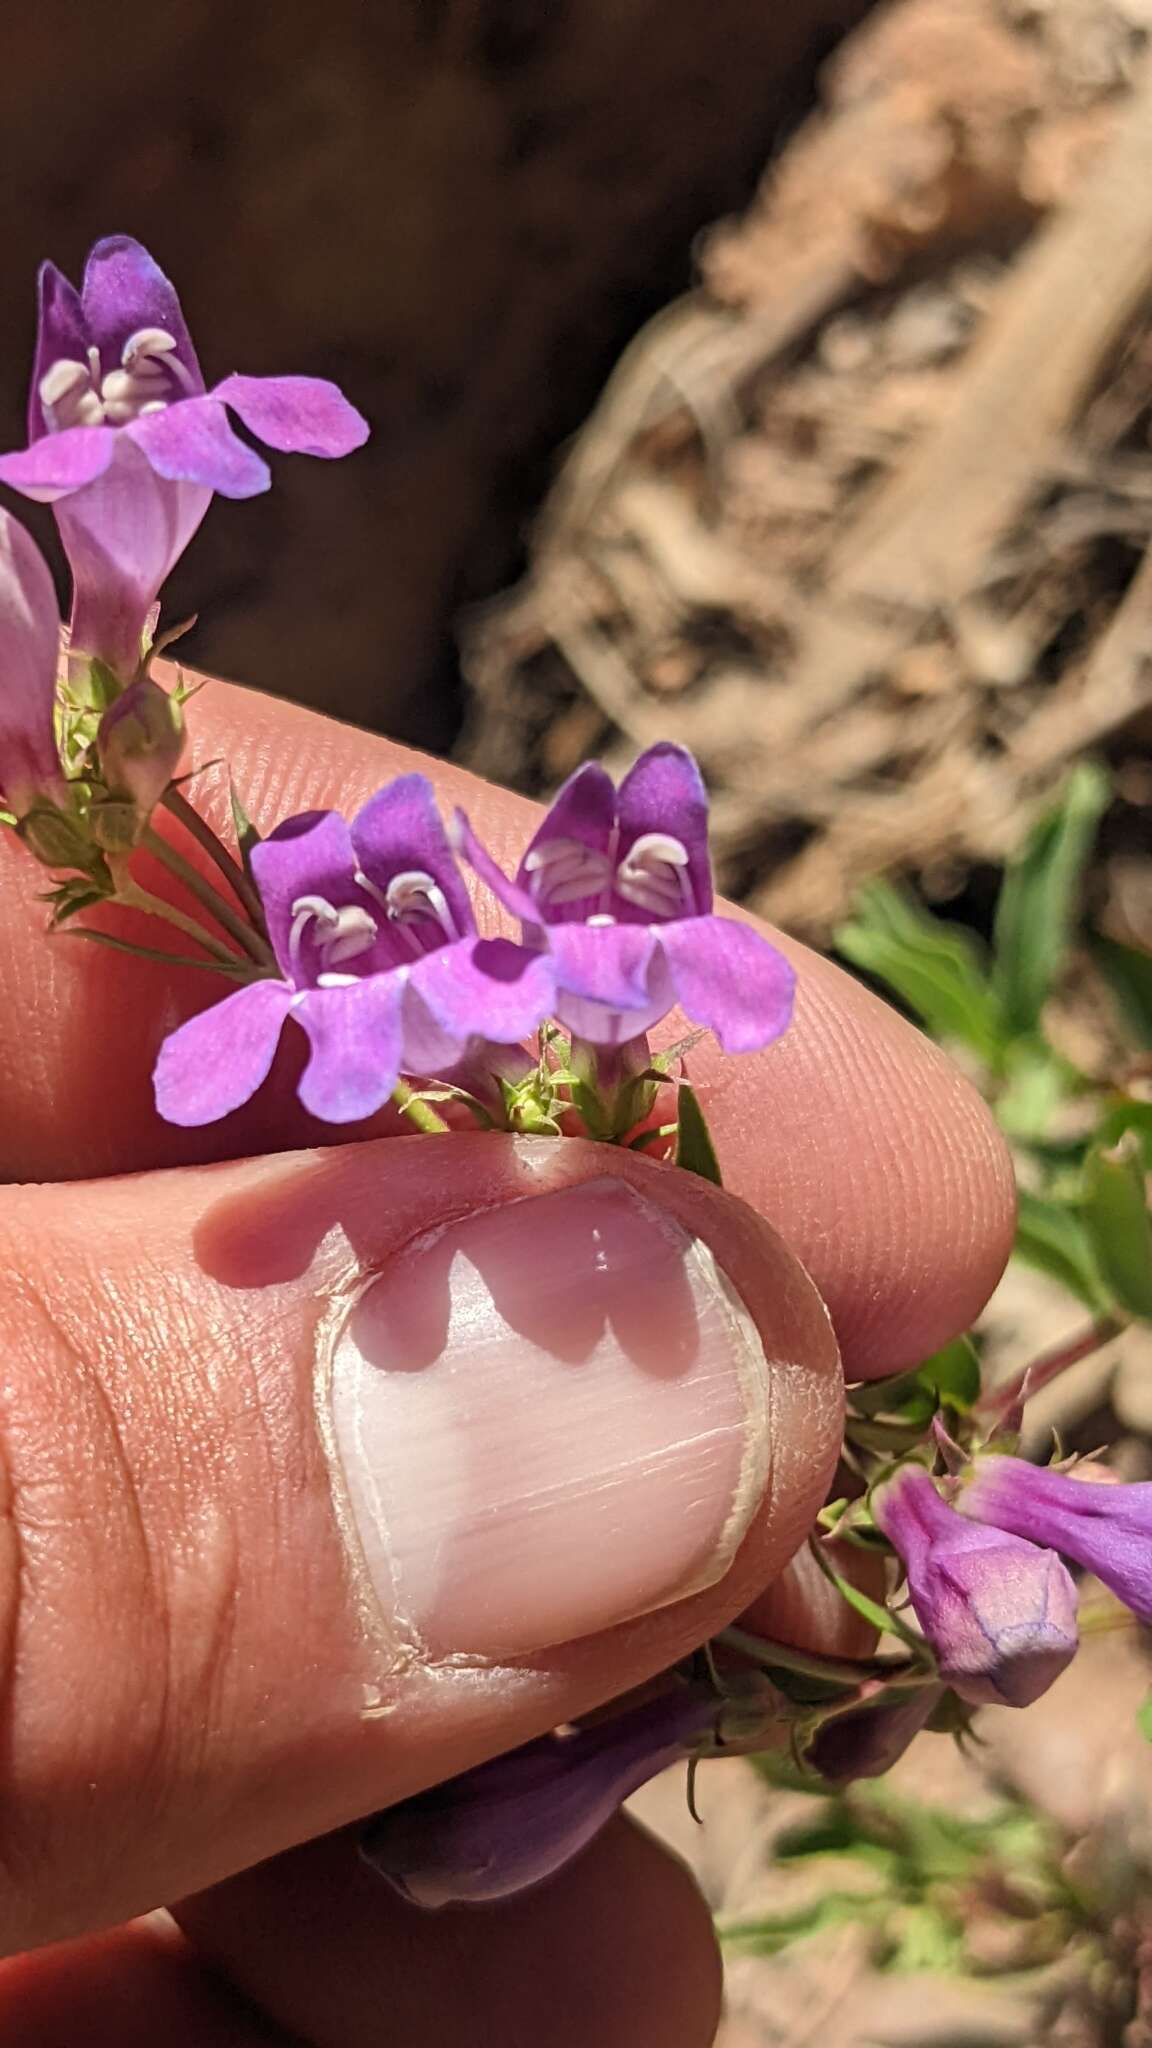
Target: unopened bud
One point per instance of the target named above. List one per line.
(867, 1740)
(140, 742)
(999, 1613)
(57, 839)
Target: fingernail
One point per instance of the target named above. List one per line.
(547, 1418)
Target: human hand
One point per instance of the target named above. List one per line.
(203, 1670)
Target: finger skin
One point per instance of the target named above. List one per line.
(617, 1950)
(131, 1988)
(853, 1135)
(195, 1676)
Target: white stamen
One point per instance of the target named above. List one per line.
(601, 917)
(654, 875)
(340, 934)
(413, 898)
(75, 394)
(566, 870)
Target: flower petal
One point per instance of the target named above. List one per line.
(729, 979)
(355, 1034)
(29, 654)
(192, 441)
(507, 892)
(310, 855)
(125, 290)
(581, 816)
(399, 831)
(60, 333)
(301, 415)
(218, 1059)
(607, 963)
(664, 792)
(59, 463)
(486, 988)
(122, 535)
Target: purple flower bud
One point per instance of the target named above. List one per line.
(29, 656)
(868, 1740)
(514, 1821)
(1097, 1521)
(141, 739)
(999, 1613)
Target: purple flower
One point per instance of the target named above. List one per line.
(29, 659)
(1099, 1523)
(866, 1741)
(126, 442)
(514, 1821)
(379, 962)
(616, 887)
(1000, 1614)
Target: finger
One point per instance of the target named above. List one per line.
(618, 1949)
(328, 1474)
(131, 1988)
(853, 1134)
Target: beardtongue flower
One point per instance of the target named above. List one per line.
(999, 1613)
(1100, 1523)
(380, 965)
(616, 888)
(29, 659)
(514, 1821)
(129, 446)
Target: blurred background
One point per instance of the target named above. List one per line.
(777, 379)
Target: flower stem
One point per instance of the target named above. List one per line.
(421, 1113)
(1002, 1400)
(245, 892)
(133, 897)
(236, 926)
(837, 1670)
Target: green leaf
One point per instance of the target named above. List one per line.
(953, 1375)
(1119, 1226)
(1126, 1113)
(934, 967)
(1038, 899)
(695, 1151)
(246, 834)
(777, 1931)
(1053, 1238)
(1128, 972)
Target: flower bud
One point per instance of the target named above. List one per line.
(999, 1613)
(140, 741)
(1099, 1522)
(513, 1821)
(57, 839)
(868, 1740)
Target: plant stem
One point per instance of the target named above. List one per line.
(837, 1670)
(236, 926)
(1001, 1400)
(133, 897)
(421, 1113)
(245, 891)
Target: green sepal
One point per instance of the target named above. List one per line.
(1115, 1211)
(246, 834)
(694, 1150)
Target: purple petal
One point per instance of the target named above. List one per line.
(217, 1060)
(1104, 1526)
(356, 1040)
(192, 441)
(310, 855)
(122, 535)
(60, 333)
(664, 792)
(29, 655)
(123, 291)
(428, 1050)
(606, 963)
(507, 892)
(581, 816)
(399, 831)
(729, 979)
(301, 415)
(486, 988)
(59, 463)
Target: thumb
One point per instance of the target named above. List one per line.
(330, 1473)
